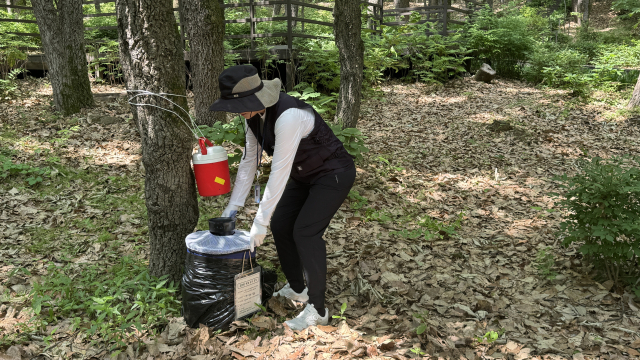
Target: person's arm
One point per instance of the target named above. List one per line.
(246, 170)
(291, 127)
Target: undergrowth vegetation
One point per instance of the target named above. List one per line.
(602, 204)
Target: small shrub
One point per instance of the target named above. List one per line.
(320, 65)
(504, 40)
(558, 67)
(320, 102)
(105, 60)
(628, 9)
(602, 205)
(352, 139)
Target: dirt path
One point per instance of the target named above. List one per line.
(450, 223)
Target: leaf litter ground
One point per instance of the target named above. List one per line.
(472, 157)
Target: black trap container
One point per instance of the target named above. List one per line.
(211, 265)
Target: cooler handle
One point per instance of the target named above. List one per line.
(202, 141)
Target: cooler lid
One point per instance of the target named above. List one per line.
(206, 243)
(214, 154)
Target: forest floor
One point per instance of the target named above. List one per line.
(451, 220)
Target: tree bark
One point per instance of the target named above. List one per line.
(585, 13)
(277, 8)
(152, 59)
(401, 4)
(347, 30)
(97, 6)
(62, 34)
(577, 8)
(635, 97)
(294, 13)
(204, 25)
(9, 10)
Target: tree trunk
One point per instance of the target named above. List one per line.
(294, 13)
(62, 34)
(97, 6)
(347, 30)
(277, 8)
(585, 13)
(577, 8)
(401, 4)
(9, 10)
(635, 98)
(204, 25)
(152, 59)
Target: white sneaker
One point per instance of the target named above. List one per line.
(288, 293)
(308, 317)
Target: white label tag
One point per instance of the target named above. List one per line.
(248, 292)
(256, 192)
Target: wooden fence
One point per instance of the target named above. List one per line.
(439, 12)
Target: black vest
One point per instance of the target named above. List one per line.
(320, 153)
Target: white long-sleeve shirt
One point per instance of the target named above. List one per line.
(292, 126)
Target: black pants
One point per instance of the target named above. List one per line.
(298, 223)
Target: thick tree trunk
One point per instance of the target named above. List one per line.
(97, 6)
(635, 98)
(152, 59)
(204, 25)
(277, 8)
(62, 34)
(347, 30)
(401, 4)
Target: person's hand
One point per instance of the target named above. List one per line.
(257, 235)
(230, 211)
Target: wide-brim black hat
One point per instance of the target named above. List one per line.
(241, 90)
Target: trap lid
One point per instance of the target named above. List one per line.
(206, 243)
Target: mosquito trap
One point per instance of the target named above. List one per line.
(222, 281)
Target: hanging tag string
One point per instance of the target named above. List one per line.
(250, 261)
(193, 127)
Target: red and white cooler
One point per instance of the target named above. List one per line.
(211, 167)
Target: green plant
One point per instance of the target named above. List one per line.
(602, 214)
(110, 304)
(65, 134)
(232, 132)
(352, 139)
(34, 174)
(431, 229)
(417, 351)
(343, 308)
(503, 39)
(321, 103)
(357, 201)
(545, 261)
(490, 336)
(320, 65)
(423, 317)
(104, 61)
(628, 9)
(559, 67)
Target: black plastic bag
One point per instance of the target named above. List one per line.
(208, 289)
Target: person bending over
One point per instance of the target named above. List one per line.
(311, 175)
